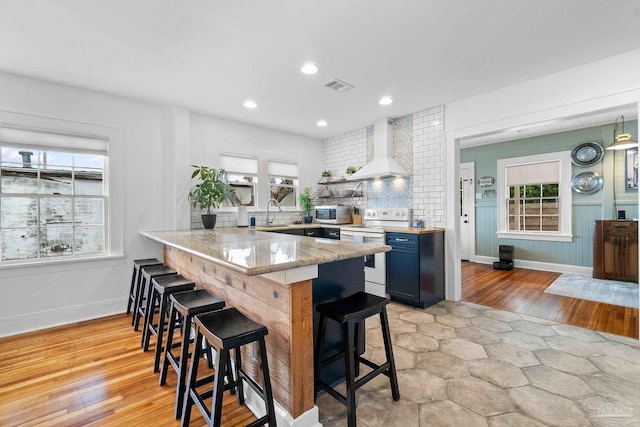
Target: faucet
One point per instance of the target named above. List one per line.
(269, 203)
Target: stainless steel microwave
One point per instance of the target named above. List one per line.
(333, 214)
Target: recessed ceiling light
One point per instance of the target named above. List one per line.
(250, 104)
(385, 100)
(322, 123)
(309, 68)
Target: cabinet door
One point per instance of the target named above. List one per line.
(313, 232)
(331, 233)
(296, 232)
(403, 274)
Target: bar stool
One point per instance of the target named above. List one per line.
(143, 294)
(184, 306)
(162, 287)
(135, 280)
(225, 330)
(349, 311)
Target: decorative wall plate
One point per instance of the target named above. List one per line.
(587, 154)
(486, 181)
(586, 182)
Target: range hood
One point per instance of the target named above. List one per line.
(383, 164)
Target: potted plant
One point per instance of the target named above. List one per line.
(305, 204)
(326, 175)
(209, 193)
(351, 170)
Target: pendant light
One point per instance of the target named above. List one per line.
(623, 140)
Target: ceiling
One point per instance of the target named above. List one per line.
(211, 55)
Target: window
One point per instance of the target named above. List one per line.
(53, 198)
(534, 196)
(283, 182)
(242, 173)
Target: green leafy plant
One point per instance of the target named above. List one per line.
(351, 169)
(212, 189)
(305, 200)
(326, 173)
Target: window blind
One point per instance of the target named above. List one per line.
(283, 169)
(46, 140)
(236, 163)
(533, 173)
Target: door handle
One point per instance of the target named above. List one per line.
(398, 239)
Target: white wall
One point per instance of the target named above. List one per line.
(39, 296)
(211, 136)
(156, 153)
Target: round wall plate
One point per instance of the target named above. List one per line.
(586, 182)
(587, 154)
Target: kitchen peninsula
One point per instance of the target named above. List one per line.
(275, 279)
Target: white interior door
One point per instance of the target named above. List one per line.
(467, 210)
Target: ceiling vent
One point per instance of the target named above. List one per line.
(339, 85)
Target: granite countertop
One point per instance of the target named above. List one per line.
(292, 227)
(409, 230)
(254, 252)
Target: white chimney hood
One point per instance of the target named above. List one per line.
(383, 164)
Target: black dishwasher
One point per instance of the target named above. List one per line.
(415, 268)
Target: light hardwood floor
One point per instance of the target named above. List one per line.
(95, 374)
(91, 373)
(522, 291)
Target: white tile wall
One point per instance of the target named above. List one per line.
(339, 152)
(229, 219)
(348, 149)
(428, 166)
(428, 162)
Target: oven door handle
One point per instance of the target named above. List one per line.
(368, 235)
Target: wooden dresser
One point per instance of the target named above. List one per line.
(615, 250)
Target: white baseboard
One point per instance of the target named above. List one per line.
(283, 419)
(543, 266)
(60, 316)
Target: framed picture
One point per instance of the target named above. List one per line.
(631, 168)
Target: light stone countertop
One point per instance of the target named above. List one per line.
(254, 252)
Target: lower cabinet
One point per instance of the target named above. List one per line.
(415, 268)
(615, 250)
(327, 233)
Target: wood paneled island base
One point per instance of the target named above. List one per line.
(285, 309)
(274, 279)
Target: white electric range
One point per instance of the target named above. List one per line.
(372, 231)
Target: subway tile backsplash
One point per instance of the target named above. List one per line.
(418, 146)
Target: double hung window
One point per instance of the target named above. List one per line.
(242, 175)
(53, 197)
(535, 197)
(283, 182)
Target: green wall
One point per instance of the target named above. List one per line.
(585, 208)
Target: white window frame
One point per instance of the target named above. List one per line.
(295, 177)
(85, 135)
(564, 234)
(246, 171)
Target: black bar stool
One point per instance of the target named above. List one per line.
(225, 330)
(143, 294)
(349, 311)
(184, 306)
(135, 280)
(162, 288)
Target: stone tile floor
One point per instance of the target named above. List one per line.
(462, 364)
